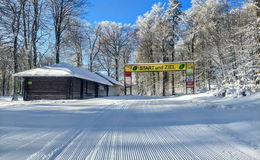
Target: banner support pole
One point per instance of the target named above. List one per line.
(125, 82)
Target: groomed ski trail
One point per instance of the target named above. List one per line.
(126, 129)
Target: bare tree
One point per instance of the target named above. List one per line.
(26, 35)
(37, 7)
(114, 39)
(31, 12)
(74, 40)
(12, 11)
(93, 40)
(105, 62)
(5, 66)
(62, 11)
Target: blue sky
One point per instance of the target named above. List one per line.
(124, 11)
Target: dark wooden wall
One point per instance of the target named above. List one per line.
(76, 91)
(46, 88)
(89, 89)
(62, 88)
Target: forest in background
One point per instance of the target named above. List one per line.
(222, 37)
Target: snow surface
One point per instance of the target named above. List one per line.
(63, 70)
(131, 127)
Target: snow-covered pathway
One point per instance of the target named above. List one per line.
(131, 127)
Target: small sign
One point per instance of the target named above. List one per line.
(128, 74)
(29, 82)
(189, 72)
(189, 86)
(189, 79)
(190, 83)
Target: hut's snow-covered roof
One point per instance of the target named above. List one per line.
(110, 79)
(63, 70)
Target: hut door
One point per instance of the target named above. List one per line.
(107, 89)
(81, 89)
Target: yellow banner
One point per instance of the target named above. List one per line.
(155, 67)
(190, 66)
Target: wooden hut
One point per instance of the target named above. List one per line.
(63, 81)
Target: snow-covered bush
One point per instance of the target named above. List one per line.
(244, 83)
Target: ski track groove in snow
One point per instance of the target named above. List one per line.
(176, 151)
(19, 139)
(236, 148)
(82, 144)
(233, 151)
(37, 139)
(204, 152)
(49, 149)
(122, 130)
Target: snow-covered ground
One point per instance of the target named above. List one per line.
(130, 127)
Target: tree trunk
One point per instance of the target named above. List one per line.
(79, 59)
(3, 84)
(34, 55)
(209, 74)
(192, 47)
(173, 54)
(154, 83)
(35, 29)
(57, 48)
(165, 77)
(117, 66)
(164, 83)
(58, 37)
(90, 63)
(8, 83)
(15, 63)
(173, 83)
(108, 72)
(16, 29)
(173, 78)
(25, 32)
